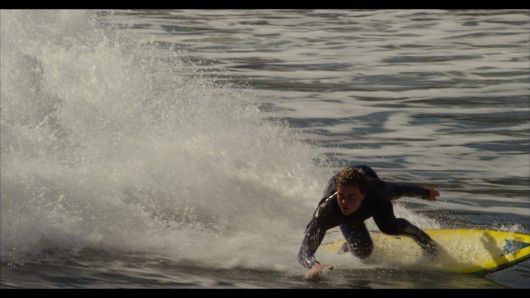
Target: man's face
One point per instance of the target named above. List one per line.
(349, 198)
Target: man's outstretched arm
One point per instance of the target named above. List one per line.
(312, 239)
(306, 256)
(396, 190)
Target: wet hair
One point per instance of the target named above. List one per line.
(352, 176)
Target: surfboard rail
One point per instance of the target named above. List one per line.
(462, 250)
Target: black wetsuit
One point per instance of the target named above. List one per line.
(377, 203)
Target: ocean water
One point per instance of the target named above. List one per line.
(189, 148)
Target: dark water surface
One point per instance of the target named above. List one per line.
(188, 148)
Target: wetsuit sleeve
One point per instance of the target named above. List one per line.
(313, 237)
(396, 190)
(316, 229)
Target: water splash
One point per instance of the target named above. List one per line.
(107, 144)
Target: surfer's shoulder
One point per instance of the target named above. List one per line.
(325, 204)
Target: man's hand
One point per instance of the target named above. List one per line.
(314, 272)
(433, 193)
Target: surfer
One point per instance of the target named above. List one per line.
(353, 195)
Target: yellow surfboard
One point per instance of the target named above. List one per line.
(461, 250)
